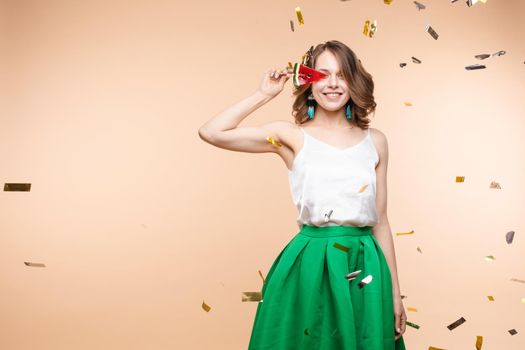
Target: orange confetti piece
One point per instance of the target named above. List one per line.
(460, 178)
(205, 307)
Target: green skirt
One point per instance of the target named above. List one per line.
(307, 303)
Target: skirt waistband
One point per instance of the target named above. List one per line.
(334, 231)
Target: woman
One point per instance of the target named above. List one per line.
(334, 286)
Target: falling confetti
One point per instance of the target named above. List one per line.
(273, 142)
(499, 53)
(475, 66)
(388, 2)
(363, 188)
(32, 264)
(402, 65)
(434, 348)
(291, 26)
(299, 15)
(205, 307)
(365, 281)
(419, 250)
(411, 309)
(327, 216)
(370, 28)
(482, 56)
(460, 178)
(415, 60)
(432, 32)
(419, 6)
(408, 104)
(509, 237)
(517, 280)
(479, 342)
(351, 276)
(456, 323)
(260, 274)
(494, 184)
(490, 258)
(404, 233)
(490, 297)
(413, 325)
(341, 247)
(513, 331)
(251, 296)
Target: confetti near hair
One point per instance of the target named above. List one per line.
(479, 342)
(494, 184)
(404, 233)
(460, 178)
(363, 188)
(456, 323)
(517, 280)
(352, 275)
(299, 15)
(402, 65)
(415, 60)
(251, 296)
(412, 309)
(32, 264)
(273, 141)
(291, 26)
(205, 307)
(327, 216)
(509, 237)
(408, 104)
(419, 6)
(365, 281)
(370, 28)
(413, 325)
(432, 32)
(490, 297)
(341, 247)
(419, 250)
(513, 331)
(490, 258)
(260, 274)
(475, 66)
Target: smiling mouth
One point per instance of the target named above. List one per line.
(332, 94)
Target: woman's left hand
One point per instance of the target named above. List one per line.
(400, 317)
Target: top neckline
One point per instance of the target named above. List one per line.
(334, 147)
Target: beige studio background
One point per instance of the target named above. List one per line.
(138, 220)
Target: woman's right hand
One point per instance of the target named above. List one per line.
(272, 84)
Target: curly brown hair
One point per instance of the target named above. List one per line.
(360, 84)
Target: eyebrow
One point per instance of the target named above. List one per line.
(323, 69)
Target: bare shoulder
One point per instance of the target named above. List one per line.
(380, 142)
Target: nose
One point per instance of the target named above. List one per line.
(332, 80)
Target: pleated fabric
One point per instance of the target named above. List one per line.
(307, 303)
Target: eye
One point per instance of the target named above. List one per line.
(340, 75)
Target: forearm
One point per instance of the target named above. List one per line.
(232, 116)
(383, 236)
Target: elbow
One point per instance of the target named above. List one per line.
(204, 135)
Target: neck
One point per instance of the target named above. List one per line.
(331, 119)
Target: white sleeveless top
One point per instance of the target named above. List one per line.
(332, 186)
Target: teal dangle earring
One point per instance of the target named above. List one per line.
(348, 111)
(311, 105)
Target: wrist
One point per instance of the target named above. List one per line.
(263, 96)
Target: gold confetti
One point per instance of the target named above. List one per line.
(273, 142)
(291, 26)
(517, 280)
(32, 264)
(494, 184)
(434, 348)
(408, 104)
(365, 281)
(413, 325)
(513, 331)
(456, 323)
(490, 258)
(370, 28)
(366, 29)
(479, 342)
(413, 309)
(419, 250)
(342, 247)
(432, 32)
(388, 2)
(260, 274)
(460, 178)
(491, 298)
(205, 307)
(363, 188)
(299, 15)
(251, 296)
(404, 233)
(509, 237)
